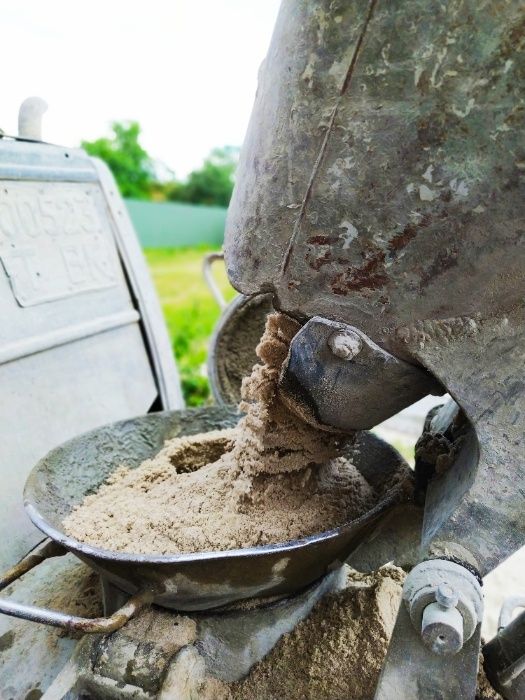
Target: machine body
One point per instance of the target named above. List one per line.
(380, 190)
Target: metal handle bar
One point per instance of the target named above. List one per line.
(508, 607)
(209, 259)
(97, 625)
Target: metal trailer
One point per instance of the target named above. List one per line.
(82, 343)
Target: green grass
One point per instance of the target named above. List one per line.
(190, 311)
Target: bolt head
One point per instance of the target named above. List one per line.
(446, 596)
(345, 344)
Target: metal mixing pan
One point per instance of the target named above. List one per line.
(197, 581)
(231, 351)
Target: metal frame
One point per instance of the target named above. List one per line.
(158, 342)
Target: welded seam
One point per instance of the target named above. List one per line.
(324, 145)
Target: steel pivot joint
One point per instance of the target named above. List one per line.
(445, 603)
(337, 378)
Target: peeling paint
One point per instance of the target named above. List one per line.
(440, 58)
(459, 187)
(465, 112)
(417, 75)
(349, 235)
(426, 194)
(308, 72)
(340, 165)
(427, 175)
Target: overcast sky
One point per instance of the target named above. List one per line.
(185, 69)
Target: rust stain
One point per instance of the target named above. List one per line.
(514, 40)
(443, 261)
(371, 275)
(318, 263)
(402, 239)
(321, 240)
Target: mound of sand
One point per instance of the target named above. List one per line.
(271, 479)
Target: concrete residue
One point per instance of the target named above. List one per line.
(272, 479)
(336, 653)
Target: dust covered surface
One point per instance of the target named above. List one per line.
(271, 479)
(337, 652)
(235, 351)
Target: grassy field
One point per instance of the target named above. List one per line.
(190, 310)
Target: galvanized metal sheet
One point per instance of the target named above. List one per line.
(55, 240)
(72, 340)
(52, 396)
(82, 343)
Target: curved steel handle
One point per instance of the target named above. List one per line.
(98, 625)
(508, 607)
(209, 259)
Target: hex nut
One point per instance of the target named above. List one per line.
(439, 591)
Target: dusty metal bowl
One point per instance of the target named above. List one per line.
(231, 354)
(200, 580)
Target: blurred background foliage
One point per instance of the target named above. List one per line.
(139, 176)
(190, 312)
(132, 167)
(189, 308)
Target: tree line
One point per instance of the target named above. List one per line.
(139, 176)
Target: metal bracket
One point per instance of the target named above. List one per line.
(337, 378)
(98, 625)
(445, 604)
(412, 671)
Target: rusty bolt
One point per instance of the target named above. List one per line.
(345, 344)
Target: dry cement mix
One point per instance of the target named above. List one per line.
(271, 479)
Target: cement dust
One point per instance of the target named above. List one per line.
(336, 653)
(272, 479)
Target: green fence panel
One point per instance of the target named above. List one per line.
(176, 225)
